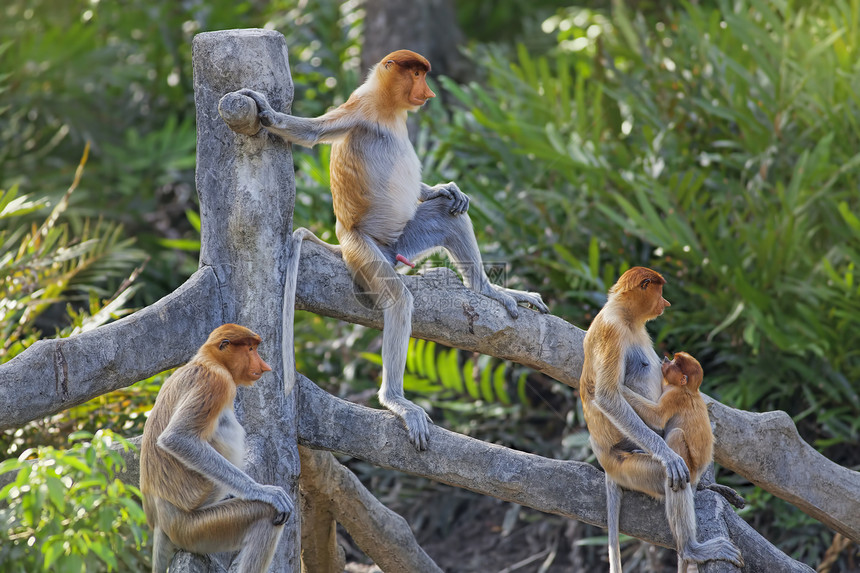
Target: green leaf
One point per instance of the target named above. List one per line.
(469, 378)
(487, 384)
(372, 358)
(522, 383)
(449, 371)
(847, 216)
(56, 492)
(500, 384)
(430, 360)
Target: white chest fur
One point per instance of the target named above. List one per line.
(229, 438)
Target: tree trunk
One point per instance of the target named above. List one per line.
(246, 190)
(428, 27)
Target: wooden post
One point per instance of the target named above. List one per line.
(247, 191)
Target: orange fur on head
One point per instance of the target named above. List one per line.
(634, 278)
(690, 367)
(236, 334)
(406, 59)
(235, 348)
(402, 77)
(639, 294)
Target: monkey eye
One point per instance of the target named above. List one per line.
(417, 73)
(644, 284)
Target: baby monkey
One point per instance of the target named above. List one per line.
(682, 414)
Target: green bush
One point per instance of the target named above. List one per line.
(716, 146)
(66, 511)
(118, 75)
(50, 263)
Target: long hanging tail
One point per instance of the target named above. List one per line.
(288, 313)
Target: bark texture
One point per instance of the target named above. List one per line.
(335, 494)
(247, 190)
(765, 447)
(428, 27)
(54, 375)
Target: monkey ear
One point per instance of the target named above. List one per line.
(388, 64)
(224, 344)
(684, 379)
(644, 284)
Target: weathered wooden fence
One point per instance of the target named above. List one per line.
(246, 186)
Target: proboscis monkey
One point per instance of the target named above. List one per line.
(682, 415)
(196, 495)
(618, 352)
(385, 214)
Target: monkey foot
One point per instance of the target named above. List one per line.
(511, 298)
(728, 493)
(418, 427)
(716, 549)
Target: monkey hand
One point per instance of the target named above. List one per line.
(677, 473)
(264, 110)
(459, 200)
(277, 497)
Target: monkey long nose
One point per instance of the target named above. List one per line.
(666, 359)
(666, 302)
(429, 93)
(265, 367)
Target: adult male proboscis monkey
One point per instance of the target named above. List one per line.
(384, 212)
(192, 455)
(618, 352)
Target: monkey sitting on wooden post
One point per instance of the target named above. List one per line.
(385, 213)
(196, 495)
(618, 353)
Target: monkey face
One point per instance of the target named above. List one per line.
(660, 303)
(255, 366)
(235, 347)
(641, 291)
(672, 373)
(649, 298)
(683, 369)
(419, 91)
(406, 73)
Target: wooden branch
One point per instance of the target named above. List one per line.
(320, 550)
(767, 450)
(764, 448)
(571, 489)
(568, 488)
(449, 313)
(54, 375)
(381, 533)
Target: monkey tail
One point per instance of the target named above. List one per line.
(288, 312)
